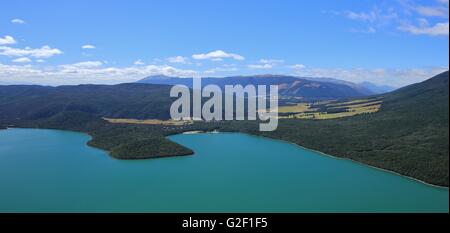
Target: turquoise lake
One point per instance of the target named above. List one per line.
(55, 171)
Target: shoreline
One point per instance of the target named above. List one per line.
(193, 132)
(108, 153)
(252, 135)
(339, 158)
(363, 164)
(199, 132)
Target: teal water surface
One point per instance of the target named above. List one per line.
(55, 171)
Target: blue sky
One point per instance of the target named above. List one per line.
(61, 42)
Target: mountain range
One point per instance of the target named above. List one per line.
(409, 134)
(365, 86)
(289, 86)
(377, 89)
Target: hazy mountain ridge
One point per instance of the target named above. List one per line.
(289, 86)
(377, 89)
(366, 87)
(408, 135)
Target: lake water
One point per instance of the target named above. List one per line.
(55, 171)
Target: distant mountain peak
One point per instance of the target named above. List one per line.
(289, 86)
(268, 76)
(160, 76)
(375, 88)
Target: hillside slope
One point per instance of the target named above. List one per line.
(139, 101)
(409, 135)
(289, 86)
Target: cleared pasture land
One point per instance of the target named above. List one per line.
(330, 110)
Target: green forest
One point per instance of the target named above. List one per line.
(408, 135)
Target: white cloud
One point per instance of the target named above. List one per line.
(371, 19)
(84, 72)
(399, 15)
(7, 40)
(361, 16)
(266, 64)
(217, 55)
(43, 52)
(85, 64)
(229, 65)
(177, 59)
(97, 72)
(139, 62)
(423, 22)
(260, 66)
(375, 16)
(40, 60)
(297, 66)
(422, 12)
(392, 77)
(18, 21)
(369, 30)
(270, 61)
(88, 46)
(220, 69)
(432, 11)
(22, 60)
(439, 29)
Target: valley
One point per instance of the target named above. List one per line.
(330, 109)
(405, 131)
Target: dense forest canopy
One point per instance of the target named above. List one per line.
(408, 135)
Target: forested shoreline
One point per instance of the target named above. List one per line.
(409, 135)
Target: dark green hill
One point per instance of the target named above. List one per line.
(420, 98)
(139, 101)
(81, 108)
(409, 135)
(289, 86)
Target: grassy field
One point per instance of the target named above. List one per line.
(298, 108)
(319, 110)
(330, 109)
(407, 131)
